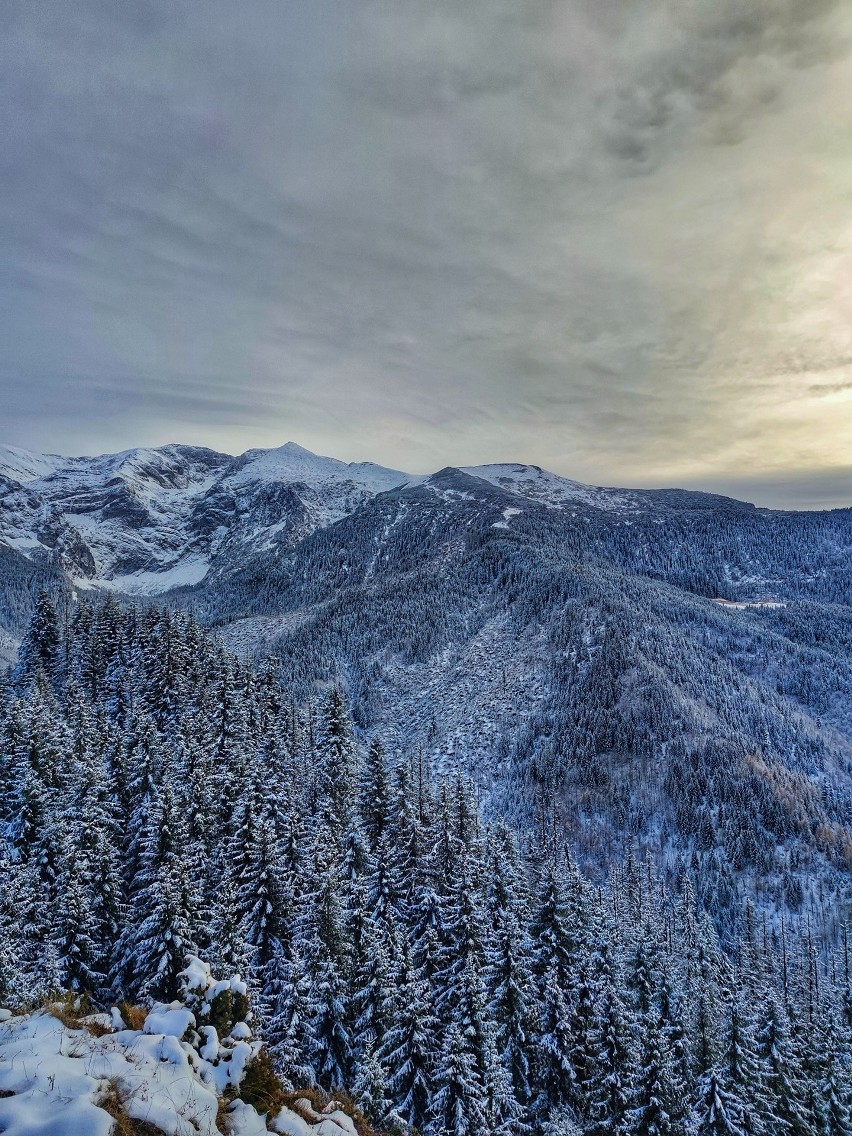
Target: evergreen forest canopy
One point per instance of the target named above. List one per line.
(161, 797)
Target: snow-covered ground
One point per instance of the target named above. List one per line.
(749, 603)
(60, 1079)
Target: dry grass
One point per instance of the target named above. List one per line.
(132, 1016)
(76, 1012)
(112, 1102)
(351, 1109)
(316, 1098)
(222, 1123)
(261, 1086)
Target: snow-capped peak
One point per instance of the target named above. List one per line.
(537, 484)
(148, 519)
(25, 465)
(292, 462)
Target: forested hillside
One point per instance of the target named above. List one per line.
(575, 665)
(162, 798)
(562, 646)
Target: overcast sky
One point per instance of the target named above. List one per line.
(610, 237)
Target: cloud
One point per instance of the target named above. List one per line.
(595, 235)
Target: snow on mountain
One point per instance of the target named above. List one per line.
(555, 492)
(536, 484)
(23, 465)
(147, 520)
(293, 463)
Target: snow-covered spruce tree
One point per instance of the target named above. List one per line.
(74, 923)
(554, 1047)
(12, 985)
(260, 896)
(369, 1086)
(284, 1007)
(156, 946)
(459, 1104)
(40, 653)
(781, 1074)
(327, 959)
(741, 1074)
(658, 1105)
(331, 1045)
(335, 757)
(717, 1114)
(375, 794)
(511, 1009)
(836, 1094)
(408, 1051)
(610, 1094)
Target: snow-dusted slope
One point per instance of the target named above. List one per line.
(147, 520)
(550, 489)
(293, 463)
(555, 492)
(270, 499)
(23, 465)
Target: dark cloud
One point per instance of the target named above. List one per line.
(419, 232)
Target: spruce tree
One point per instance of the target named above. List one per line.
(459, 1106)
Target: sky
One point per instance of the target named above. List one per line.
(609, 237)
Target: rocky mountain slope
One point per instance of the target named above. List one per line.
(147, 520)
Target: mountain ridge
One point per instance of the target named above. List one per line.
(149, 519)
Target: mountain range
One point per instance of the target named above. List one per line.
(664, 671)
(145, 521)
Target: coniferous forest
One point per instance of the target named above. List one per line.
(162, 798)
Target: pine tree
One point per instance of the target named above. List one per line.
(658, 1102)
(77, 950)
(407, 1051)
(781, 1074)
(512, 1011)
(835, 1111)
(40, 650)
(335, 760)
(259, 897)
(611, 1091)
(554, 1047)
(369, 1086)
(718, 1115)
(376, 795)
(331, 1045)
(553, 938)
(740, 1074)
(284, 1006)
(459, 1106)
(11, 980)
(156, 946)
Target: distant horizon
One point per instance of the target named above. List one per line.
(736, 490)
